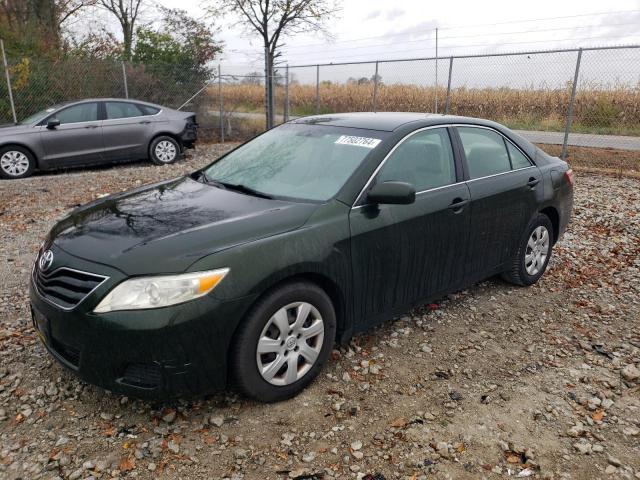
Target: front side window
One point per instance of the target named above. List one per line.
(425, 160)
(117, 110)
(302, 161)
(85, 112)
(485, 151)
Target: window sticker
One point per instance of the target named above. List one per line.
(358, 141)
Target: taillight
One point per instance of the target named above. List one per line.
(569, 176)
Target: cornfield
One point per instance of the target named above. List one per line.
(612, 110)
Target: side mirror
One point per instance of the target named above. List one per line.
(53, 123)
(400, 193)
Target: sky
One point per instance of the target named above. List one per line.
(370, 30)
(383, 29)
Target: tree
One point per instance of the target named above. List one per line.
(35, 26)
(127, 12)
(273, 20)
(179, 39)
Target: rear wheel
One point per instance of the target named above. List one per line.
(16, 162)
(164, 150)
(534, 252)
(284, 342)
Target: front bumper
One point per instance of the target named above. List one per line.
(154, 354)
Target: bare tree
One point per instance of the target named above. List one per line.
(127, 12)
(273, 20)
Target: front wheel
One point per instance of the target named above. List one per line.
(283, 342)
(164, 150)
(16, 162)
(534, 252)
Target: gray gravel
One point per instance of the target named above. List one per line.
(492, 381)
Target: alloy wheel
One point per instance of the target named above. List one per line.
(14, 163)
(290, 343)
(537, 250)
(165, 151)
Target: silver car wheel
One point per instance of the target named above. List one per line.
(537, 250)
(290, 343)
(165, 151)
(14, 163)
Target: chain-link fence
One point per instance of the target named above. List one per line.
(581, 104)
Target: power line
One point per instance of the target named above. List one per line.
(450, 47)
(422, 31)
(422, 40)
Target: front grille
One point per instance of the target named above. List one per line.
(66, 287)
(142, 375)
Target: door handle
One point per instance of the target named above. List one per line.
(458, 204)
(145, 122)
(533, 181)
(91, 126)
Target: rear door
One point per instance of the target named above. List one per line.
(78, 138)
(505, 192)
(127, 130)
(405, 253)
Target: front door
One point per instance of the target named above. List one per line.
(127, 130)
(505, 193)
(402, 254)
(78, 138)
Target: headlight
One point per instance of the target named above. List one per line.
(160, 291)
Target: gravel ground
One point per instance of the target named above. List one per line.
(491, 382)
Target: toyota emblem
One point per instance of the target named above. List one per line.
(46, 260)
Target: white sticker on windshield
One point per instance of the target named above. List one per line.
(358, 141)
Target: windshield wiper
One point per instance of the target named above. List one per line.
(232, 186)
(244, 189)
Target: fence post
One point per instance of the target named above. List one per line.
(375, 88)
(317, 89)
(124, 77)
(221, 104)
(574, 87)
(286, 94)
(6, 71)
(448, 100)
(436, 71)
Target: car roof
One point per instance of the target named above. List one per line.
(389, 121)
(84, 100)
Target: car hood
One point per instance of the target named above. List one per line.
(11, 128)
(165, 227)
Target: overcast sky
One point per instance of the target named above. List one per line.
(383, 29)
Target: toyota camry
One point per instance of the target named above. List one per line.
(246, 272)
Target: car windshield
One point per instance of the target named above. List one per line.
(301, 161)
(36, 117)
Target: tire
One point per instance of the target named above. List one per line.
(534, 252)
(283, 349)
(16, 162)
(164, 150)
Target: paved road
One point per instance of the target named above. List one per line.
(618, 142)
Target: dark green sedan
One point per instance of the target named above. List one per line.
(246, 272)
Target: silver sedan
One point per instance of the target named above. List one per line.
(92, 132)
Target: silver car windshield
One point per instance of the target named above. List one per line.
(36, 117)
(301, 161)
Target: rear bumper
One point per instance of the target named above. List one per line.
(153, 354)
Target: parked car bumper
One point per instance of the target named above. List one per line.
(153, 354)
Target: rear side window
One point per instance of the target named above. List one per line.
(485, 151)
(85, 112)
(518, 159)
(425, 160)
(123, 110)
